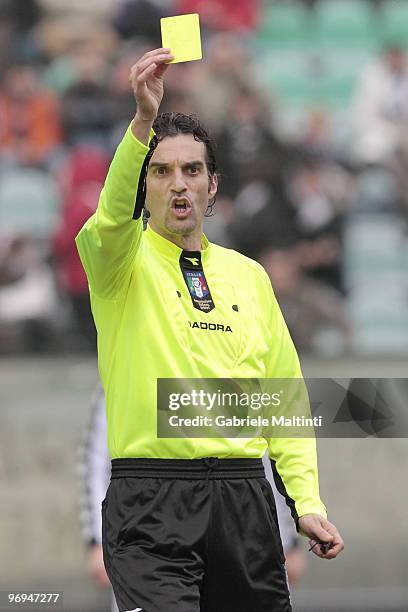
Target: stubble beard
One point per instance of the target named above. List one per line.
(181, 227)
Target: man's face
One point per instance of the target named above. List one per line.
(178, 186)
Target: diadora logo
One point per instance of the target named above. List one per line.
(194, 260)
(211, 326)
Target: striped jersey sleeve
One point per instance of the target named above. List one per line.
(94, 471)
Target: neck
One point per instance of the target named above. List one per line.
(187, 242)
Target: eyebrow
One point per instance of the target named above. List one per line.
(158, 164)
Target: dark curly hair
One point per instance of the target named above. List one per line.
(172, 124)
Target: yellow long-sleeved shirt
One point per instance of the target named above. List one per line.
(145, 305)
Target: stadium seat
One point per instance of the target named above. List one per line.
(373, 258)
(303, 78)
(376, 191)
(277, 64)
(340, 73)
(284, 24)
(288, 75)
(395, 22)
(345, 23)
(28, 202)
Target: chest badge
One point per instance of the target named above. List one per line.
(194, 277)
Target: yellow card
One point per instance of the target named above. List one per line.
(181, 34)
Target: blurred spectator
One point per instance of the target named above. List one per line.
(321, 194)
(84, 176)
(28, 299)
(94, 8)
(69, 42)
(227, 67)
(15, 255)
(264, 218)
(123, 100)
(310, 4)
(30, 129)
(310, 308)
(140, 19)
(315, 135)
(301, 211)
(233, 15)
(5, 44)
(247, 148)
(17, 19)
(87, 107)
(23, 14)
(377, 4)
(64, 34)
(380, 108)
(255, 166)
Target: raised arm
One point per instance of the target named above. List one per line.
(109, 240)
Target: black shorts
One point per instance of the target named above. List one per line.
(196, 535)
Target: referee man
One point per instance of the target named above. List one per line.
(189, 525)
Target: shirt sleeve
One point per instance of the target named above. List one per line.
(293, 460)
(109, 240)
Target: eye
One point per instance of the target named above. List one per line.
(161, 170)
(194, 169)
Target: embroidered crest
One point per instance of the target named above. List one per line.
(192, 269)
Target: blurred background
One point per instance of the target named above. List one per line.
(308, 102)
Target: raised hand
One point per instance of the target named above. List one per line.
(146, 78)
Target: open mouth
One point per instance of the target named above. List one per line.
(181, 207)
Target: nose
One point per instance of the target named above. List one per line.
(178, 182)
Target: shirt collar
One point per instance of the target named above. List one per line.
(171, 250)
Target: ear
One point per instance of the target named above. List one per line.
(212, 185)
